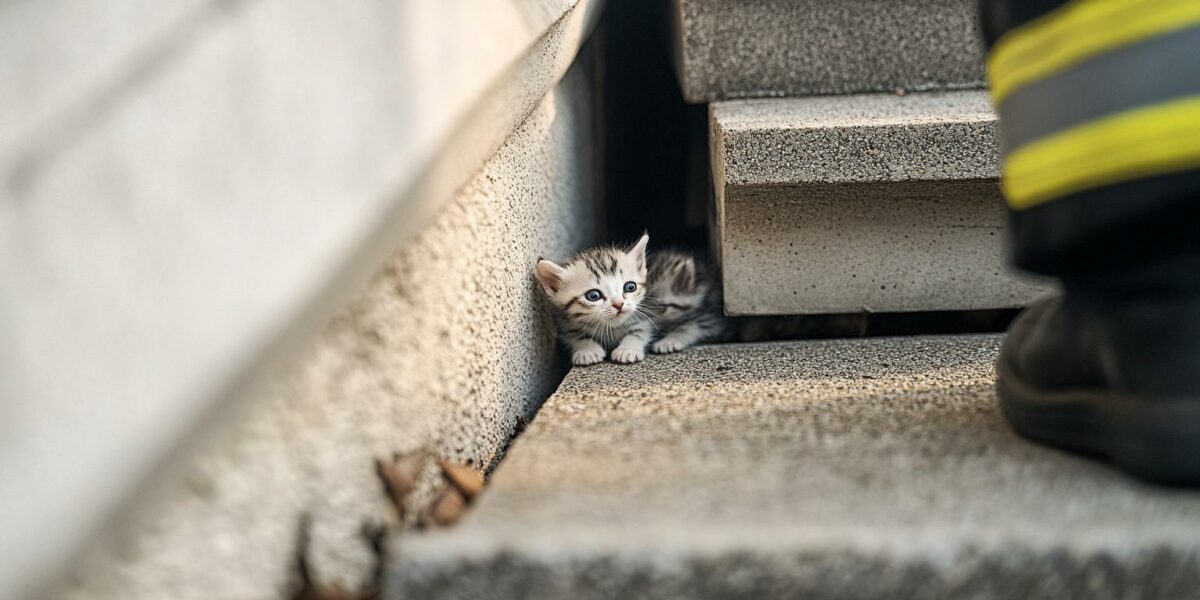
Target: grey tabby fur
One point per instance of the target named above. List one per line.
(612, 319)
(688, 305)
(675, 298)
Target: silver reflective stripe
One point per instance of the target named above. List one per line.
(1149, 72)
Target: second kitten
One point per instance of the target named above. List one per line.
(688, 301)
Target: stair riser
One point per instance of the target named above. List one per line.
(771, 48)
(877, 203)
(882, 247)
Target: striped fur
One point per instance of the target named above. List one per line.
(617, 324)
(688, 306)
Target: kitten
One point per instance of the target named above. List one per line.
(688, 302)
(599, 295)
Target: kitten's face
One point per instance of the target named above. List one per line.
(605, 285)
(676, 289)
(674, 304)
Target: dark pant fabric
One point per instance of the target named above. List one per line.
(1142, 234)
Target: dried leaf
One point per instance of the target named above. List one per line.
(449, 508)
(467, 479)
(399, 476)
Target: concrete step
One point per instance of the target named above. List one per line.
(872, 202)
(766, 48)
(875, 468)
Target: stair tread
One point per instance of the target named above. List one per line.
(847, 468)
(931, 136)
(874, 202)
(857, 110)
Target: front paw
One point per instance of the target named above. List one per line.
(667, 345)
(628, 354)
(590, 356)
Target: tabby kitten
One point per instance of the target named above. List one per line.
(598, 295)
(688, 303)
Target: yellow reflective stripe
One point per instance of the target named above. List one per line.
(1156, 140)
(1077, 31)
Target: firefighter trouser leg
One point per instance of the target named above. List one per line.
(1099, 105)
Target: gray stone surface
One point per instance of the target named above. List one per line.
(188, 191)
(837, 469)
(425, 356)
(861, 203)
(756, 48)
(57, 51)
(865, 137)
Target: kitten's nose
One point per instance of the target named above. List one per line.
(617, 304)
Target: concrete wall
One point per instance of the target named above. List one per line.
(189, 188)
(447, 347)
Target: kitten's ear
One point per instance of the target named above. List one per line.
(638, 251)
(683, 276)
(549, 275)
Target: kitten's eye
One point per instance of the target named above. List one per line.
(630, 287)
(593, 295)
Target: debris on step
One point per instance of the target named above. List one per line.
(399, 476)
(791, 474)
(467, 479)
(448, 509)
(463, 484)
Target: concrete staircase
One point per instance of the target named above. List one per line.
(875, 468)
(846, 203)
(882, 203)
(835, 469)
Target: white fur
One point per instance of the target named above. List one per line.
(586, 352)
(679, 338)
(623, 328)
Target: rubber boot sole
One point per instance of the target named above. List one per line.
(1155, 439)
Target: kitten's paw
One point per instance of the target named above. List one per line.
(667, 346)
(626, 354)
(591, 356)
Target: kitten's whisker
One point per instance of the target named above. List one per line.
(596, 327)
(648, 318)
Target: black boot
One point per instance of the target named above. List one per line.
(1112, 374)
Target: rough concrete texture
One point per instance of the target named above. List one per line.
(758, 48)
(861, 203)
(447, 348)
(894, 247)
(189, 189)
(875, 468)
(866, 137)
